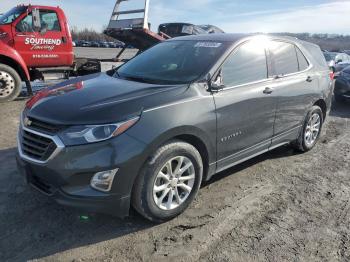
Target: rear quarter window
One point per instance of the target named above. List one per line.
(317, 55)
(303, 64)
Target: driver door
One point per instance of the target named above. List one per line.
(46, 46)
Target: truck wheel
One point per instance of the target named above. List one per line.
(10, 83)
(311, 130)
(168, 182)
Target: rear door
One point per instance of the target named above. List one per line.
(294, 86)
(44, 47)
(245, 107)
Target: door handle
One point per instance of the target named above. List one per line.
(64, 39)
(309, 79)
(268, 90)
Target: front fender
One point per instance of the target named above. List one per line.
(11, 54)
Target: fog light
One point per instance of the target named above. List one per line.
(103, 181)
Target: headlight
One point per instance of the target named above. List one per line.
(77, 135)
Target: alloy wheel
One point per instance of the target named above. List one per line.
(174, 183)
(312, 129)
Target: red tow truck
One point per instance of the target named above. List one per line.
(35, 41)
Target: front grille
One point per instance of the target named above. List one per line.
(39, 125)
(36, 146)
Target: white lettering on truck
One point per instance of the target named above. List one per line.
(42, 43)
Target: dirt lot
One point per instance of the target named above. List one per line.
(281, 206)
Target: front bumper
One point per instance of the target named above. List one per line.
(66, 178)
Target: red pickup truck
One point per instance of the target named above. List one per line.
(33, 40)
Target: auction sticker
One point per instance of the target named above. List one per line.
(208, 44)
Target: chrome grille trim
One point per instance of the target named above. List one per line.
(55, 139)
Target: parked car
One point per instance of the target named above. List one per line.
(334, 58)
(85, 44)
(211, 29)
(95, 44)
(339, 67)
(112, 44)
(104, 44)
(342, 86)
(183, 29)
(148, 133)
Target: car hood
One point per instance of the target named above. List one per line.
(99, 99)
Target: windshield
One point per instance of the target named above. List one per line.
(173, 62)
(12, 15)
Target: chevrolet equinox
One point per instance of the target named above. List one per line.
(149, 132)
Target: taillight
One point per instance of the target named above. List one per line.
(331, 75)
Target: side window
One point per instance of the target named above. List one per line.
(49, 20)
(303, 64)
(285, 58)
(247, 64)
(25, 25)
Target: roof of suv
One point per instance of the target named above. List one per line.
(313, 51)
(233, 37)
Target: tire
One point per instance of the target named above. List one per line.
(155, 206)
(303, 144)
(10, 83)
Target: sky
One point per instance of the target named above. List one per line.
(233, 16)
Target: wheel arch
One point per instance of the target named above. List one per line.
(23, 73)
(201, 147)
(322, 104)
(192, 135)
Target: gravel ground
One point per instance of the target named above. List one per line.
(281, 206)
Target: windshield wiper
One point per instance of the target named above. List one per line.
(140, 79)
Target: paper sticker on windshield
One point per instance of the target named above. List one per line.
(208, 44)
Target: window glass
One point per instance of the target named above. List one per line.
(317, 55)
(25, 25)
(247, 64)
(11, 15)
(173, 62)
(285, 58)
(49, 20)
(303, 64)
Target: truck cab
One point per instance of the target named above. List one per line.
(39, 34)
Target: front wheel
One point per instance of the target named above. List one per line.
(168, 182)
(10, 83)
(311, 130)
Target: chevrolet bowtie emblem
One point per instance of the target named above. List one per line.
(27, 122)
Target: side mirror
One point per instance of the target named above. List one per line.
(217, 83)
(36, 20)
(43, 30)
(338, 61)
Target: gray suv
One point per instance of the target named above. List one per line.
(148, 133)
